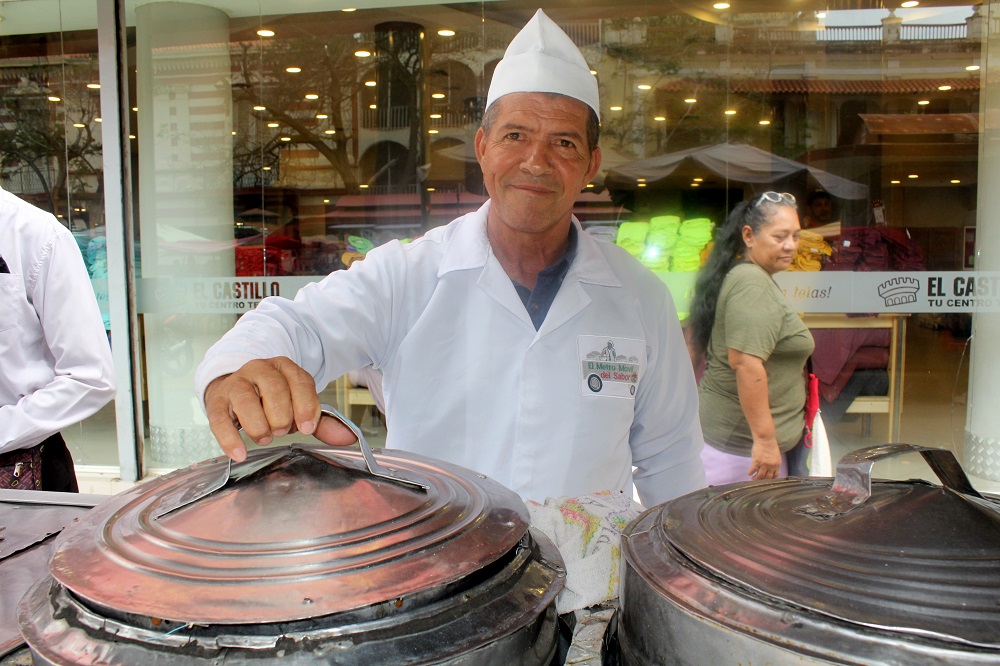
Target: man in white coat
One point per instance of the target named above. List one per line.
(510, 341)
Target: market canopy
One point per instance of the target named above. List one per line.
(735, 162)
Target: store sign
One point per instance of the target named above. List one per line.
(861, 292)
(823, 291)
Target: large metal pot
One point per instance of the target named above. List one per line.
(303, 556)
(793, 571)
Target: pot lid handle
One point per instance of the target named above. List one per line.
(374, 468)
(853, 484)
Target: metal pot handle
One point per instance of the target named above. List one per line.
(853, 484)
(374, 468)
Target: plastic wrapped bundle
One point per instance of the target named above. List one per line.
(694, 235)
(632, 237)
(660, 242)
(812, 249)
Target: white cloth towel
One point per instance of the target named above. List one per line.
(587, 530)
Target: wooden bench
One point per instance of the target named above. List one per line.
(892, 403)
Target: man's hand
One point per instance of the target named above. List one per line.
(268, 398)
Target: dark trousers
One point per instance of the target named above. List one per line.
(796, 458)
(58, 473)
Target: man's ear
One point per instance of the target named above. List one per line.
(480, 145)
(595, 164)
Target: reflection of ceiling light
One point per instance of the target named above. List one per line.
(97, 86)
(373, 106)
(330, 131)
(321, 116)
(435, 116)
(326, 201)
(272, 124)
(233, 132)
(53, 98)
(659, 119)
(909, 3)
(642, 184)
(293, 70)
(644, 86)
(763, 121)
(349, 9)
(590, 184)
(690, 100)
(944, 87)
(614, 108)
(361, 53)
(260, 108)
(264, 32)
(698, 180)
(821, 15)
(431, 189)
(730, 112)
(286, 138)
(955, 181)
(131, 136)
(78, 125)
(266, 168)
(721, 5)
(433, 131)
(98, 120)
(894, 182)
(445, 32)
(972, 68)
(134, 108)
(371, 84)
(312, 96)
(924, 102)
(695, 184)
(594, 72)
(363, 186)
(640, 180)
(913, 175)
(438, 95)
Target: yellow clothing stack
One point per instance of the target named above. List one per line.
(660, 242)
(632, 237)
(812, 249)
(694, 235)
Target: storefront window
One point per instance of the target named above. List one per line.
(51, 154)
(269, 147)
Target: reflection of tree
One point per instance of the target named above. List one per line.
(52, 139)
(328, 70)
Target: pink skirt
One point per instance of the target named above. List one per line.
(722, 468)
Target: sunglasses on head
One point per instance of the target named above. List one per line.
(776, 197)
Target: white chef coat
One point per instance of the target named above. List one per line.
(55, 360)
(468, 379)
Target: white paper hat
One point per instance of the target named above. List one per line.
(542, 58)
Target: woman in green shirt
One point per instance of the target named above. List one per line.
(753, 393)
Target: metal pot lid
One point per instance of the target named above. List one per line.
(908, 557)
(295, 533)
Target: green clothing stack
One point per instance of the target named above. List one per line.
(660, 242)
(754, 317)
(632, 237)
(694, 235)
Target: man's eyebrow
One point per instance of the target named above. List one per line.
(515, 127)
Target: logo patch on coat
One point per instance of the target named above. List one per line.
(611, 366)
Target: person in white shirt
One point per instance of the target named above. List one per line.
(56, 367)
(510, 342)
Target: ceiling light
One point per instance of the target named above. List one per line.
(312, 96)
(97, 86)
(272, 124)
(233, 132)
(134, 108)
(942, 88)
(431, 189)
(614, 108)
(363, 186)
(659, 119)
(730, 112)
(321, 116)
(286, 138)
(260, 108)
(293, 70)
(894, 182)
(640, 180)
(695, 184)
(131, 136)
(53, 98)
(371, 84)
(78, 125)
(445, 32)
(349, 9)
(266, 168)
(435, 116)
(763, 121)
(433, 131)
(955, 181)
(644, 86)
(924, 102)
(821, 15)
(361, 53)
(972, 68)
(721, 5)
(330, 131)
(590, 184)
(594, 72)
(326, 201)
(98, 120)
(698, 180)
(913, 175)
(264, 32)
(690, 100)
(438, 95)
(373, 106)
(642, 184)
(909, 3)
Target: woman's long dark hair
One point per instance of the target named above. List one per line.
(726, 253)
